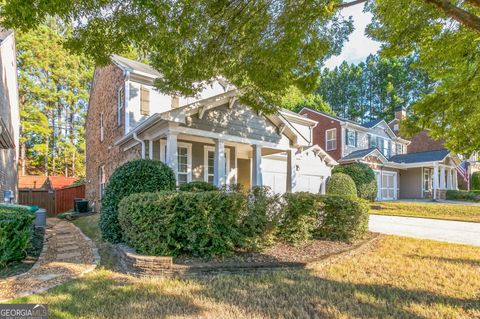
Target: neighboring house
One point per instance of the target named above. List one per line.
(212, 137)
(9, 114)
(399, 173)
(45, 182)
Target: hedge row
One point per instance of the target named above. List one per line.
(15, 233)
(130, 178)
(363, 177)
(473, 196)
(216, 222)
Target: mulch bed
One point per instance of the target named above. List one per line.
(33, 252)
(278, 253)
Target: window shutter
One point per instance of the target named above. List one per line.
(144, 101)
(356, 139)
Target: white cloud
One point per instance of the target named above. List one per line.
(358, 46)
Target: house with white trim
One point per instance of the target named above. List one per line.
(211, 137)
(399, 173)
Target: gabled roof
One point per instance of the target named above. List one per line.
(58, 182)
(361, 154)
(45, 182)
(134, 66)
(420, 157)
(5, 34)
(327, 158)
(372, 123)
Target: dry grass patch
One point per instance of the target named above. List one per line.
(428, 210)
(399, 278)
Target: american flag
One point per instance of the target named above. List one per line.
(462, 169)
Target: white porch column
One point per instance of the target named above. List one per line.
(455, 181)
(171, 156)
(291, 171)
(449, 178)
(435, 180)
(219, 163)
(257, 179)
(150, 149)
(442, 177)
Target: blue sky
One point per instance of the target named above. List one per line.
(358, 46)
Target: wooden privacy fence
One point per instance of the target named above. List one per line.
(54, 201)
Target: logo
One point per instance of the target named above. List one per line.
(23, 311)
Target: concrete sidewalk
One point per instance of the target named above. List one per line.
(424, 228)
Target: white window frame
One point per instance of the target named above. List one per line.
(188, 146)
(330, 140)
(208, 148)
(347, 132)
(102, 181)
(101, 127)
(120, 104)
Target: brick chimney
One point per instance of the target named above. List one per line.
(400, 113)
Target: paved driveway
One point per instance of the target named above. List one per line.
(441, 230)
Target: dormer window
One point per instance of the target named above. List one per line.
(144, 101)
(351, 138)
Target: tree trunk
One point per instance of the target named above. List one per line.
(464, 17)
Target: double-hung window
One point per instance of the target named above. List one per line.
(399, 148)
(331, 139)
(120, 104)
(351, 137)
(102, 180)
(184, 160)
(372, 142)
(209, 164)
(144, 101)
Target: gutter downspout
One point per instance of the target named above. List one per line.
(135, 137)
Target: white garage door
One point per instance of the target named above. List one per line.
(309, 183)
(386, 185)
(276, 181)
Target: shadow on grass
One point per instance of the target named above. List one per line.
(303, 295)
(463, 261)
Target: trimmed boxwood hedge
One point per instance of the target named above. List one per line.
(197, 186)
(217, 223)
(473, 196)
(341, 184)
(132, 177)
(475, 183)
(363, 176)
(172, 223)
(16, 226)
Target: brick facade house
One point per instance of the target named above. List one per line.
(211, 137)
(401, 171)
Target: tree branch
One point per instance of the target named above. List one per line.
(475, 3)
(464, 17)
(355, 2)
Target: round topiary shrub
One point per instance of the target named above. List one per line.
(475, 181)
(198, 186)
(341, 184)
(364, 179)
(133, 177)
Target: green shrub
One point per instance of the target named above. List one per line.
(194, 223)
(475, 183)
(341, 184)
(364, 179)
(133, 177)
(260, 224)
(15, 233)
(473, 196)
(300, 216)
(198, 186)
(343, 218)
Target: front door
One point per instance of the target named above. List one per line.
(389, 180)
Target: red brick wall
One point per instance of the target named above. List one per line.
(325, 123)
(422, 142)
(103, 98)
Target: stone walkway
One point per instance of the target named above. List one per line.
(66, 254)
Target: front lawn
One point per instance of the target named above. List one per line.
(399, 278)
(428, 210)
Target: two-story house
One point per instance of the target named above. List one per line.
(211, 137)
(400, 174)
(9, 114)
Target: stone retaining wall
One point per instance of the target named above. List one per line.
(140, 265)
